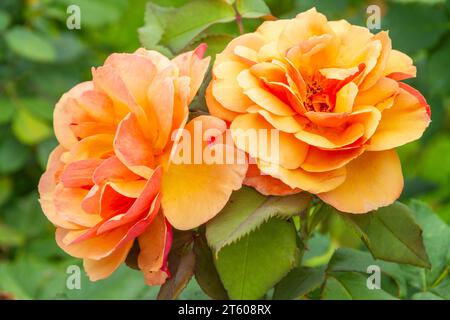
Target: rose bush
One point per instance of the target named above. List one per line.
(334, 92)
(111, 181)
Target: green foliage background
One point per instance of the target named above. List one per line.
(40, 59)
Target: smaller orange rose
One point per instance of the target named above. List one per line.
(111, 182)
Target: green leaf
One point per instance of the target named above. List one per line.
(247, 210)
(298, 282)
(30, 129)
(351, 260)
(421, 35)
(392, 234)
(97, 13)
(216, 43)
(205, 270)
(44, 149)
(351, 286)
(5, 189)
(437, 77)
(254, 264)
(155, 23)
(436, 235)
(4, 20)
(30, 44)
(40, 108)
(13, 154)
(10, 237)
(252, 8)
(7, 110)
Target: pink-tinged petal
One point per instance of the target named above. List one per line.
(78, 174)
(373, 180)
(68, 205)
(95, 247)
(103, 268)
(47, 185)
(107, 80)
(113, 203)
(62, 116)
(404, 122)
(145, 200)
(94, 147)
(136, 72)
(98, 106)
(267, 185)
(132, 147)
(155, 245)
(193, 65)
(161, 96)
(112, 169)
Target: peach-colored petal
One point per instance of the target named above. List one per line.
(192, 64)
(373, 180)
(318, 160)
(346, 97)
(258, 138)
(68, 205)
(399, 66)
(47, 185)
(305, 25)
(404, 122)
(103, 268)
(377, 72)
(314, 182)
(191, 192)
(216, 109)
(132, 147)
(135, 71)
(155, 244)
(94, 147)
(79, 173)
(266, 184)
(384, 89)
(331, 138)
(62, 116)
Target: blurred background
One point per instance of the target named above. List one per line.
(40, 59)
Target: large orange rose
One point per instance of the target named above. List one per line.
(332, 90)
(112, 172)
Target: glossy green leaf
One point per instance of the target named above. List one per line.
(351, 286)
(392, 234)
(188, 21)
(298, 282)
(436, 235)
(252, 8)
(30, 44)
(254, 264)
(205, 270)
(246, 211)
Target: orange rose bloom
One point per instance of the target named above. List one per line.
(332, 90)
(112, 173)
